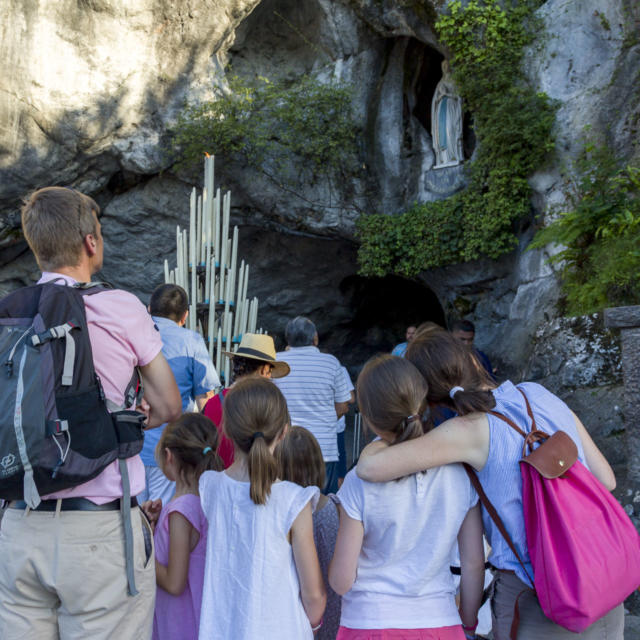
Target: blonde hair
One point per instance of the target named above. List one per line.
(255, 414)
(300, 458)
(193, 439)
(392, 397)
(55, 221)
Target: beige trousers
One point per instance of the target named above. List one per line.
(62, 577)
(534, 625)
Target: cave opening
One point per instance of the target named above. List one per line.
(380, 311)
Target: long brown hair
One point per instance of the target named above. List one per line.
(392, 397)
(300, 458)
(193, 439)
(446, 363)
(255, 414)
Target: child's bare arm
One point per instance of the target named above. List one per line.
(173, 577)
(344, 564)
(471, 565)
(312, 591)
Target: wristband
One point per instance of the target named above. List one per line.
(314, 629)
(470, 629)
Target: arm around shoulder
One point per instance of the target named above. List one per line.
(462, 439)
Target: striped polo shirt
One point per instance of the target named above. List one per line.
(312, 388)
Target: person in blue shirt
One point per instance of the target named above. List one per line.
(401, 349)
(465, 331)
(192, 368)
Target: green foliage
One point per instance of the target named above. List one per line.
(290, 131)
(600, 235)
(512, 124)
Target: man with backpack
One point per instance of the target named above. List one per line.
(71, 567)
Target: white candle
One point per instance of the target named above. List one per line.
(246, 282)
(192, 227)
(224, 256)
(245, 315)
(185, 263)
(216, 226)
(227, 364)
(198, 238)
(207, 239)
(179, 262)
(234, 258)
(219, 349)
(212, 310)
(250, 320)
(166, 270)
(226, 299)
(236, 328)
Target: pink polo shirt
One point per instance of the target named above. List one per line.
(122, 336)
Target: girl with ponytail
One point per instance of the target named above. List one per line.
(263, 578)
(396, 539)
(476, 436)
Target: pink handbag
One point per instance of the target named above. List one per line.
(584, 549)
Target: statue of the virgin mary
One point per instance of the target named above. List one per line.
(446, 121)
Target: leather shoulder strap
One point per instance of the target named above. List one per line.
(511, 423)
(493, 514)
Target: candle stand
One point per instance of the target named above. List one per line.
(207, 269)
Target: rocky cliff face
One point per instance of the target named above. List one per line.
(89, 88)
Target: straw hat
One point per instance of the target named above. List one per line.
(257, 346)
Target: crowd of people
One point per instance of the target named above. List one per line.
(258, 529)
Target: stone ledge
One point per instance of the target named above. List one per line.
(622, 317)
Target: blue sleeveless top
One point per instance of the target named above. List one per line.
(500, 477)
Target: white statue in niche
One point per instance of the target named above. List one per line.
(446, 121)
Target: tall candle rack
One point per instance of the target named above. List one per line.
(218, 305)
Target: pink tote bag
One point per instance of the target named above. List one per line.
(584, 549)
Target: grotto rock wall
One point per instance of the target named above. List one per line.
(89, 89)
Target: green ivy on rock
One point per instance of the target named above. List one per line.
(513, 128)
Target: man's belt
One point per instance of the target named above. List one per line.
(72, 504)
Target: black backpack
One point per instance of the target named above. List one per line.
(55, 428)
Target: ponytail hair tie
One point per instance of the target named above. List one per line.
(206, 450)
(455, 390)
(415, 416)
(257, 434)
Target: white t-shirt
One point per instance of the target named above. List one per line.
(251, 587)
(342, 423)
(410, 532)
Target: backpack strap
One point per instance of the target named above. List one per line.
(221, 398)
(61, 331)
(493, 514)
(133, 393)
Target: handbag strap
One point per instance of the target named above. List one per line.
(493, 514)
(475, 481)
